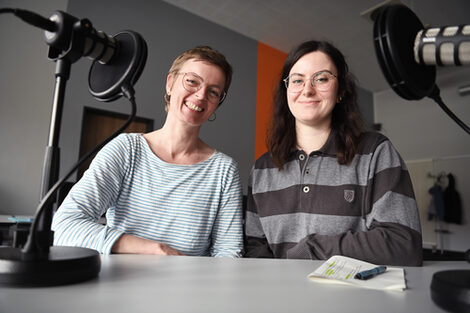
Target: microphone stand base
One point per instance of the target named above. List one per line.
(451, 290)
(64, 265)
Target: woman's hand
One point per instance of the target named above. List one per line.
(136, 245)
(164, 249)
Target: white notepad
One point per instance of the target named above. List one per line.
(341, 270)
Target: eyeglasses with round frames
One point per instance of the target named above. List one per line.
(193, 83)
(322, 81)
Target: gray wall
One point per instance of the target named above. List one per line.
(365, 100)
(26, 87)
(167, 30)
(424, 134)
(421, 129)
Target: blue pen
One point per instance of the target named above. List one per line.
(364, 275)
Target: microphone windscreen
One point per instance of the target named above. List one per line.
(395, 29)
(105, 80)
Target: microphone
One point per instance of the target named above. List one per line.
(449, 45)
(408, 53)
(118, 62)
(86, 40)
(91, 43)
(395, 29)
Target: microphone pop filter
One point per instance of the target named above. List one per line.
(395, 30)
(126, 66)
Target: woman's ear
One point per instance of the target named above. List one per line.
(170, 80)
(339, 98)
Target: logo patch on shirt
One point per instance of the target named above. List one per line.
(349, 195)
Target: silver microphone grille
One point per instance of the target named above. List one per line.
(448, 45)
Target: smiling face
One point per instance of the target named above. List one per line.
(194, 107)
(310, 106)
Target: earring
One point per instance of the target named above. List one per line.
(212, 119)
(339, 99)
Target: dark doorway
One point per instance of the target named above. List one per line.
(97, 125)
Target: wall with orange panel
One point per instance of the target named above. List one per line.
(270, 62)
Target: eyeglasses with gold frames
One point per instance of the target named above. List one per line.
(322, 81)
(193, 83)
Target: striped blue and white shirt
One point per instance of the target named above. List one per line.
(195, 209)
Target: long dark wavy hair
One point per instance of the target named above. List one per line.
(346, 122)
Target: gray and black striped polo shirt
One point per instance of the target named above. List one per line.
(315, 207)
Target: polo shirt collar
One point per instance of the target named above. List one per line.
(329, 148)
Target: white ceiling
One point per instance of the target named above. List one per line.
(282, 24)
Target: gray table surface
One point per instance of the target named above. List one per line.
(141, 283)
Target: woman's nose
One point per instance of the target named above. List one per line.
(308, 88)
(201, 93)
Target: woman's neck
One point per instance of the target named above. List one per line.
(311, 139)
(178, 144)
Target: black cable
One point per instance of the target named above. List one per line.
(7, 10)
(435, 95)
(128, 92)
(32, 18)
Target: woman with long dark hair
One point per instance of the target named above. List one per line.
(326, 186)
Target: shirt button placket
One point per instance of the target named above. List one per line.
(305, 189)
